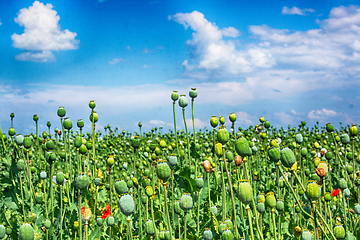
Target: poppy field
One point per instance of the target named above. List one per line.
(221, 182)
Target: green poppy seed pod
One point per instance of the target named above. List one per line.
(245, 192)
(347, 193)
(274, 154)
(227, 234)
(67, 124)
(299, 138)
(353, 130)
(344, 138)
(88, 145)
(60, 178)
(186, 202)
(214, 121)
(50, 145)
(214, 210)
(304, 152)
(357, 208)
(261, 197)
(121, 187)
(140, 124)
(193, 93)
(82, 181)
(96, 117)
(287, 157)
(83, 149)
(222, 120)
(223, 135)
(80, 123)
(149, 191)
(306, 235)
(267, 124)
(127, 205)
(97, 181)
(222, 226)
(174, 96)
(262, 119)
(329, 127)
(207, 234)
(44, 134)
(43, 175)
(150, 227)
(218, 150)
(199, 182)
(11, 131)
(342, 183)
(229, 223)
(183, 102)
(12, 115)
(260, 207)
(110, 220)
(230, 156)
(92, 104)
(172, 160)
(270, 200)
(339, 231)
(99, 221)
(232, 117)
(242, 147)
(27, 142)
(26, 232)
(280, 205)
(48, 124)
(177, 207)
(135, 142)
(110, 161)
(47, 224)
(19, 139)
(35, 118)
(313, 191)
(163, 170)
(78, 141)
(61, 112)
(2, 231)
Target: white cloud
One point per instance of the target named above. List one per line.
(295, 11)
(321, 114)
(146, 50)
(39, 56)
(244, 118)
(0, 22)
(158, 123)
(116, 61)
(296, 113)
(216, 54)
(284, 118)
(146, 66)
(198, 124)
(41, 33)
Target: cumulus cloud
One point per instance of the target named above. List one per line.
(243, 118)
(0, 22)
(320, 114)
(42, 33)
(214, 53)
(295, 11)
(116, 61)
(198, 124)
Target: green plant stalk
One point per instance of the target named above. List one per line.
(214, 131)
(80, 221)
(51, 197)
(62, 129)
(353, 160)
(331, 224)
(185, 224)
(61, 210)
(167, 209)
(231, 192)
(209, 189)
(32, 194)
(93, 140)
(250, 223)
(172, 199)
(187, 137)
(129, 228)
(345, 215)
(176, 137)
(2, 140)
(153, 215)
(223, 197)
(22, 196)
(198, 216)
(86, 230)
(140, 211)
(315, 220)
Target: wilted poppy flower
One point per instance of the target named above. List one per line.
(335, 192)
(106, 212)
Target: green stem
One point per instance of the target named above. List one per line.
(274, 222)
(166, 209)
(187, 136)
(250, 222)
(176, 137)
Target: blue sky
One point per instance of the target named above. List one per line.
(285, 60)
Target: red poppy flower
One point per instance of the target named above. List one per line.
(106, 212)
(82, 210)
(335, 192)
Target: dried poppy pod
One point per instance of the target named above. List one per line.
(87, 214)
(321, 172)
(238, 160)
